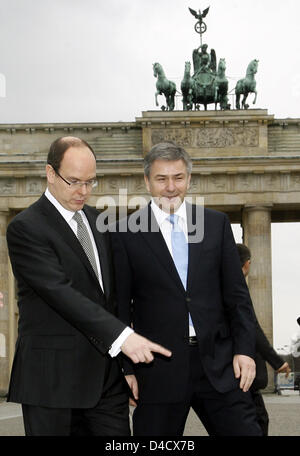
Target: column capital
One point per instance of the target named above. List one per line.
(258, 207)
(4, 211)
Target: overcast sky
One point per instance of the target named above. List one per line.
(91, 61)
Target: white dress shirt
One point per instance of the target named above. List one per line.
(166, 226)
(68, 216)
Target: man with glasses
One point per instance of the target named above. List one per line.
(65, 372)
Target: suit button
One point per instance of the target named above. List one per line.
(188, 299)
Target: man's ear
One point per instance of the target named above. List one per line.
(189, 181)
(147, 182)
(50, 173)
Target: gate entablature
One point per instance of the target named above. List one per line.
(209, 133)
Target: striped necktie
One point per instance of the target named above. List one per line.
(85, 240)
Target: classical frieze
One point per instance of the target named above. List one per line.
(202, 182)
(208, 137)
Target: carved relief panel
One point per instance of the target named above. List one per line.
(209, 137)
(8, 186)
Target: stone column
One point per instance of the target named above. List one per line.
(4, 311)
(257, 236)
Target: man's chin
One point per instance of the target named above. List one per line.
(77, 205)
(168, 205)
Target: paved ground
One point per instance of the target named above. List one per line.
(284, 412)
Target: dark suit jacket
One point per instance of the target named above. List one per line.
(151, 296)
(66, 322)
(264, 352)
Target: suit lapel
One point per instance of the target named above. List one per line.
(195, 221)
(58, 223)
(157, 244)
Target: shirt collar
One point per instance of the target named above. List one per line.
(162, 216)
(66, 214)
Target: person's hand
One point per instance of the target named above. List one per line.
(1, 299)
(133, 385)
(244, 368)
(284, 368)
(139, 349)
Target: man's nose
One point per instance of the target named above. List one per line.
(83, 189)
(170, 185)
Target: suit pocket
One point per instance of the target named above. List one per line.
(53, 342)
(52, 360)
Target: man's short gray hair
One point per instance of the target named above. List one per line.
(167, 150)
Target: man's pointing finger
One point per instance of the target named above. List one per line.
(160, 349)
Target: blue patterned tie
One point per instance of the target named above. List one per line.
(180, 250)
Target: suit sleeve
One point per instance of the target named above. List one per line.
(35, 262)
(265, 349)
(123, 279)
(237, 301)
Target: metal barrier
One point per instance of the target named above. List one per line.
(292, 382)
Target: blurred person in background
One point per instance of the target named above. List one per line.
(264, 352)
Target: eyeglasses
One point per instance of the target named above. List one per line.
(77, 183)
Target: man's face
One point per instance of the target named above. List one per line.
(78, 164)
(168, 183)
(246, 268)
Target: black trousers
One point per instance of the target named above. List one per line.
(110, 416)
(222, 414)
(261, 412)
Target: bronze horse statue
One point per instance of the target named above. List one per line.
(187, 86)
(247, 85)
(221, 86)
(164, 87)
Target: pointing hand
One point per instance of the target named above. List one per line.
(139, 349)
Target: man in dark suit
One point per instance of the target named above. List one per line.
(190, 297)
(264, 352)
(65, 372)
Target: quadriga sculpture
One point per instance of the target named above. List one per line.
(204, 87)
